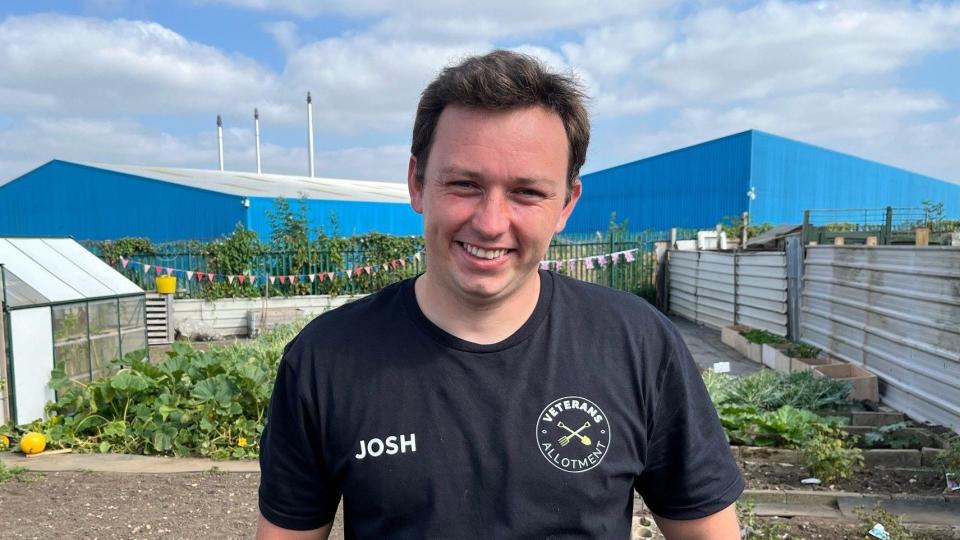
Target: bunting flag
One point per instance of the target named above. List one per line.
(358, 270)
(367, 270)
(403, 262)
(169, 270)
(602, 259)
(393, 264)
(588, 263)
(312, 277)
(210, 277)
(320, 277)
(200, 276)
(189, 275)
(572, 264)
(544, 265)
(293, 279)
(146, 268)
(330, 275)
(416, 256)
(283, 279)
(230, 279)
(628, 255)
(272, 279)
(124, 262)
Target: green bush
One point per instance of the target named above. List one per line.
(830, 455)
(802, 350)
(210, 403)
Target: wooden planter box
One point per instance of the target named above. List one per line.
(806, 364)
(731, 336)
(776, 359)
(864, 383)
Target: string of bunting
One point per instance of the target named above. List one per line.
(589, 262)
(349, 273)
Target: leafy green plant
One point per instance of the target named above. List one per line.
(761, 337)
(949, 459)
(898, 436)
(732, 225)
(802, 390)
(802, 350)
(892, 523)
(830, 455)
(210, 403)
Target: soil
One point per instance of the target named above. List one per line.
(760, 475)
(218, 505)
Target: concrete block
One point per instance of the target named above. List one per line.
(769, 496)
(770, 455)
(892, 458)
(735, 450)
(928, 457)
(859, 430)
(875, 418)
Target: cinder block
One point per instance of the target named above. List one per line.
(875, 418)
(892, 458)
(772, 455)
(928, 457)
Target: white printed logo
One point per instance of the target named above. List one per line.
(573, 434)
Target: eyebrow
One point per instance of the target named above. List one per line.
(453, 170)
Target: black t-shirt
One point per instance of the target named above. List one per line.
(545, 434)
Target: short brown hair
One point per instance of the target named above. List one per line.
(500, 81)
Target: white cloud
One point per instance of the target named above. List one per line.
(781, 47)
(285, 33)
(73, 65)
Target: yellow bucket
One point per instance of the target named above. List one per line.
(166, 284)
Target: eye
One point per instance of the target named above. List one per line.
(529, 193)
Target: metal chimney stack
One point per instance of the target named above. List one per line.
(310, 132)
(256, 132)
(220, 140)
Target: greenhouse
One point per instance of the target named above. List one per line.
(62, 307)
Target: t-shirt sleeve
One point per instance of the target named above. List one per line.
(296, 490)
(689, 471)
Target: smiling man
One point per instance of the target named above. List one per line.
(487, 398)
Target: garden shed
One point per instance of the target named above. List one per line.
(63, 307)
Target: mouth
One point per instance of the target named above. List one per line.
(481, 253)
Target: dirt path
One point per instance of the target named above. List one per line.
(128, 506)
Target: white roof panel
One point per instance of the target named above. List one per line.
(249, 184)
(115, 282)
(61, 269)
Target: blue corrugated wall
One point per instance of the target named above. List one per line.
(87, 203)
(352, 217)
(691, 187)
(700, 185)
(792, 176)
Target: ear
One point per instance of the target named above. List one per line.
(414, 187)
(575, 190)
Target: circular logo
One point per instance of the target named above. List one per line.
(573, 434)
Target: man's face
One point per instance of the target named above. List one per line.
(492, 198)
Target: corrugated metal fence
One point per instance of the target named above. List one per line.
(719, 289)
(896, 311)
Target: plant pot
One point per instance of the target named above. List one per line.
(863, 383)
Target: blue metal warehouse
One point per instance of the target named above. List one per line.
(90, 201)
(700, 185)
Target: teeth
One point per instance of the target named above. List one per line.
(484, 253)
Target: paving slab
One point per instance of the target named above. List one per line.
(797, 510)
(705, 346)
(124, 463)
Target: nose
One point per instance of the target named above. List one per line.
(491, 218)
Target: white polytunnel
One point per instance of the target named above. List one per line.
(61, 307)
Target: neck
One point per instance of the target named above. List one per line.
(478, 321)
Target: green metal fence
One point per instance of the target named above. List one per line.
(623, 261)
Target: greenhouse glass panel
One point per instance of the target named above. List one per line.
(66, 270)
(19, 293)
(104, 336)
(71, 348)
(43, 280)
(133, 329)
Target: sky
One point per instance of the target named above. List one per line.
(140, 82)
